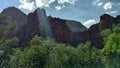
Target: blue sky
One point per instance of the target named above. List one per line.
(85, 11)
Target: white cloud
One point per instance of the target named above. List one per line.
(108, 5)
(107, 12)
(100, 4)
(32, 4)
(61, 3)
(66, 1)
(96, 2)
(59, 7)
(112, 12)
(89, 22)
(26, 5)
(41, 3)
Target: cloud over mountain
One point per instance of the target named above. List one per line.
(59, 7)
(32, 4)
(97, 2)
(108, 5)
(26, 4)
(41, 3)
(100, 4)
(112, 12)
(89, 22)
(66, 1)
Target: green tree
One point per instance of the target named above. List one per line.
(2, 17)
(112, 49)
(35, 55)
(6, 27)
(105, 33)
(6, 45)
(90, 57)
(63, 56)
(84, 56)
(7, 50)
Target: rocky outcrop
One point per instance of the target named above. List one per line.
(63, 31)
(60, 30)
(20, 20)
(45, 28)
(78, 32)
(117, 19)
(32, 25)
(95, 37)
(68, 31)
(38, 24)
(106, 21)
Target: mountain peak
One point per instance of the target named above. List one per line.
(40, 9)
(39, 19)
(106, 21)
(20, 20)
(10, 9)
(13, 12)
(104, 16)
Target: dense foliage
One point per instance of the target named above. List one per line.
(112, 48)
(45, 53)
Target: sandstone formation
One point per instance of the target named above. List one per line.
(95, 38)
(106, 22)
(68, 31)
(20, 19)
(62, 30)
(38, 24)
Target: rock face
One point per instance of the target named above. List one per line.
(95, 38)
(63, 31)
(68, 31)
(38, 24)
(20, 19)
(117, 19)
(106, 21)
(45, 28)
(60, 30)
(32, 25)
